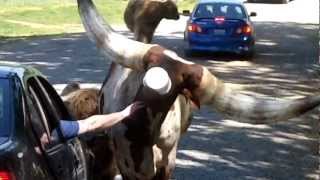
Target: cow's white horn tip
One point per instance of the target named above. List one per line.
(157, 79)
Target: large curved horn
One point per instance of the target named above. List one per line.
(202, 87)
(114, 46)
(246, 108)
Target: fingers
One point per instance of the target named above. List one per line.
(126, 111)
(136, 106)
(44, 140)
(134, 110)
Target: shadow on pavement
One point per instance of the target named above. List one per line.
(71, 57)
(215, 148)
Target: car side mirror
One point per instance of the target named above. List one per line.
(252, 14)
(186, 13)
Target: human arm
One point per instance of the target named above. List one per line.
(97, 123)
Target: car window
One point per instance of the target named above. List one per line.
(4, 107)
(230, 11)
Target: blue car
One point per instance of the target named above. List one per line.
(220, 26)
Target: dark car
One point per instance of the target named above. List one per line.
(220, 26)
(29, 109)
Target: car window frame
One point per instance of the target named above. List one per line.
(57, 102)
(40, 111)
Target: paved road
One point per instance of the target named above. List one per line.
(215, 147)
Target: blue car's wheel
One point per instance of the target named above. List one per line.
(248, 55)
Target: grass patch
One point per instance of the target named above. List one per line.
(186, 5)
(47, 17)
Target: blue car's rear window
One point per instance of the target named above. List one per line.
(4, 108)
(229, 11)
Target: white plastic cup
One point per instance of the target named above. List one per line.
(157, 78)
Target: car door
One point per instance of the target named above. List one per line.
(65, 158)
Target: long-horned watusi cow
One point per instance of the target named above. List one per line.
(143, 16)
(146, 144)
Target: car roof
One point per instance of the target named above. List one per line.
(9, 69)
(220, 1)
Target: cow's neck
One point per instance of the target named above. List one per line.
(145, 130)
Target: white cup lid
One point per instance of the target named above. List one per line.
(157, 78)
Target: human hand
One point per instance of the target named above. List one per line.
(45, 140)
(133, 110)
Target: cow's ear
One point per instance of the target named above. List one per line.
(195, 101)
(192, 79)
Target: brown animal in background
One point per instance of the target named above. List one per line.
(146, 146)
(83, 103)
(143, 16)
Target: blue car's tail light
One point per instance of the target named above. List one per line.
(247, 30)
(194, 28)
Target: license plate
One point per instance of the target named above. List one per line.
(219, 32)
